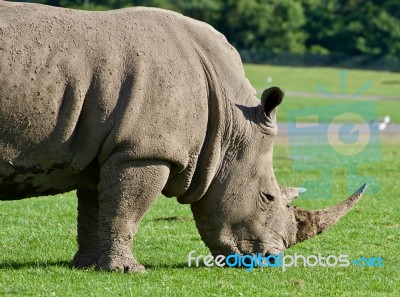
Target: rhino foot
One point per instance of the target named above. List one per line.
(85, 260)
(119, 264)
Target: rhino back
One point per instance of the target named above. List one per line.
(77, 86)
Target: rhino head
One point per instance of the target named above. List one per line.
(244, 209)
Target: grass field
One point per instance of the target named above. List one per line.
(328, 84)
(38, 236)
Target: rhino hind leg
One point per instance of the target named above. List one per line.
(88, 212)
(123, 200)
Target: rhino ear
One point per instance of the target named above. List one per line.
(270, 99)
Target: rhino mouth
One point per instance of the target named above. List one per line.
(253, 248)
(262, 259)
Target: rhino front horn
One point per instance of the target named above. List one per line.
(311, 223)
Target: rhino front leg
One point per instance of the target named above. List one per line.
(126, 191)
(88, 213)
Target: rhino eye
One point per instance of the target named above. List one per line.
(267, 197)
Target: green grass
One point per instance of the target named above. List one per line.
(307, 79)
(38, 236)
(335, 81)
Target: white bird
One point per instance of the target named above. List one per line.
(383, 123)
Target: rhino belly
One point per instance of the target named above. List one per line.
(25, 182)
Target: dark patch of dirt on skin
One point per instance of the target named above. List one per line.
(173, 218)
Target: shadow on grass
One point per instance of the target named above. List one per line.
(13, 265)
(173, 218)
(166, 266)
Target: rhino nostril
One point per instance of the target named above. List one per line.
(267, 197)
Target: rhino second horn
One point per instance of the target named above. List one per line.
(288, 194)
(311, 223)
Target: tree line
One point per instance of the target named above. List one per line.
(351, 27)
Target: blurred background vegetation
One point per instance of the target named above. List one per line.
(344, 33)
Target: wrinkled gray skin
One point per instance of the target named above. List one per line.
(126, 104)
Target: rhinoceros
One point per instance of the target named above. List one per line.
(124, 105)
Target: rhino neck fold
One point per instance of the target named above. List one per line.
(217, 135)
